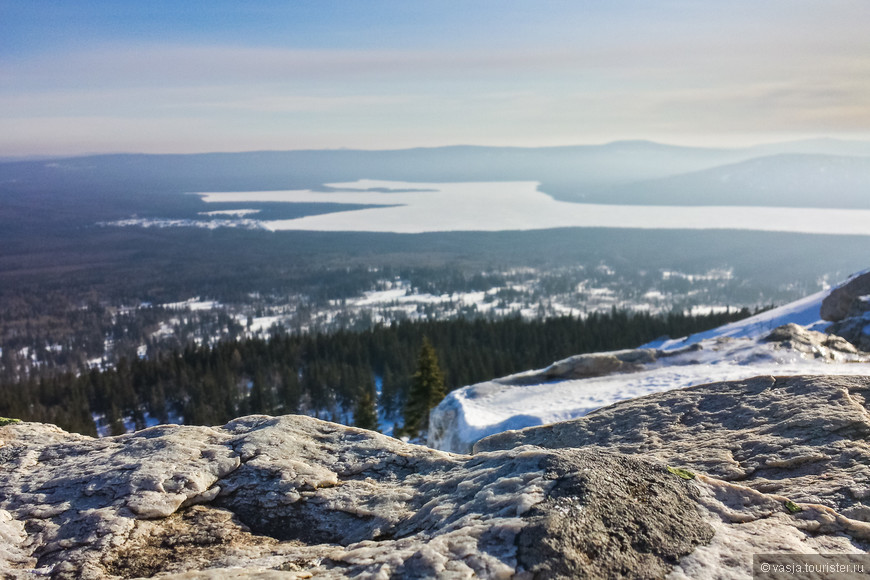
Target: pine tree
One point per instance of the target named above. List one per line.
(365, 414)
(291, 391)
(116, 423)
(427, 390)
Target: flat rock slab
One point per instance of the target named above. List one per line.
(295, 497)
(804, 437)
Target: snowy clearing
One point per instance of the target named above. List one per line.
(230, 212)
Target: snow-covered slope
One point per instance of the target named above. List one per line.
(805, 312)
(576, 386)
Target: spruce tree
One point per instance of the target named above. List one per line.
(427, 390)
(365, 414)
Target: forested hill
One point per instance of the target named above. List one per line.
(325, 375)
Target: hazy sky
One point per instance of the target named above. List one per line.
(217, 75)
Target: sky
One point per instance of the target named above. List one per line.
(179, 77)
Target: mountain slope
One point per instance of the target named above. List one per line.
(793, 180)
(777, 342)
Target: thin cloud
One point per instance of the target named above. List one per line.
(625, 69)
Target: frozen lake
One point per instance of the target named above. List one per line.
(519, 205)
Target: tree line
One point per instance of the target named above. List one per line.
(334, 376)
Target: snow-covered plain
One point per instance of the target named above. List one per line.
(405, 207)
(192, 304)
(230, 212)
(212, 224)
(400, 297)
(731, 352)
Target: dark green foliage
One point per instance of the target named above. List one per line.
(426, 391)
(365, 412)
(323, 375)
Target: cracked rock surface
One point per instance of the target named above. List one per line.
(754, 444)
(805, 437)
(295, 497)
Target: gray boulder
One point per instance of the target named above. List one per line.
(590, 365)
(818, 344)
(848, 307)
(754, 446)
(855, 326)
(837, 304)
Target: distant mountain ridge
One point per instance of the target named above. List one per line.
(618, 172)
(783, 180)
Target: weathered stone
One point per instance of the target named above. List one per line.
(803, 437)
(768, 443)
(797, 338)
(837, 304)
(584, 366)
(471, 413)
(295, 497)
(197, 536)
(611, 516)
(855, 326)
(13, 551)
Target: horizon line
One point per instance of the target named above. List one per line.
(639, 141)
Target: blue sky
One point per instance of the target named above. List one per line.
(159, 76)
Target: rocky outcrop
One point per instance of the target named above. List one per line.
(837, 304)
(295, 497)
(855, 326)
(790, 337)
(584, 366)
(804, 437)
(848, 307)
(575, 386)
(796, 338)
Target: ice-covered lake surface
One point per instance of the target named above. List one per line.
(406, 207)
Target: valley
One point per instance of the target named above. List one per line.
(111, 260)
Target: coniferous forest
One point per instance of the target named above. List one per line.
(333, 376)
